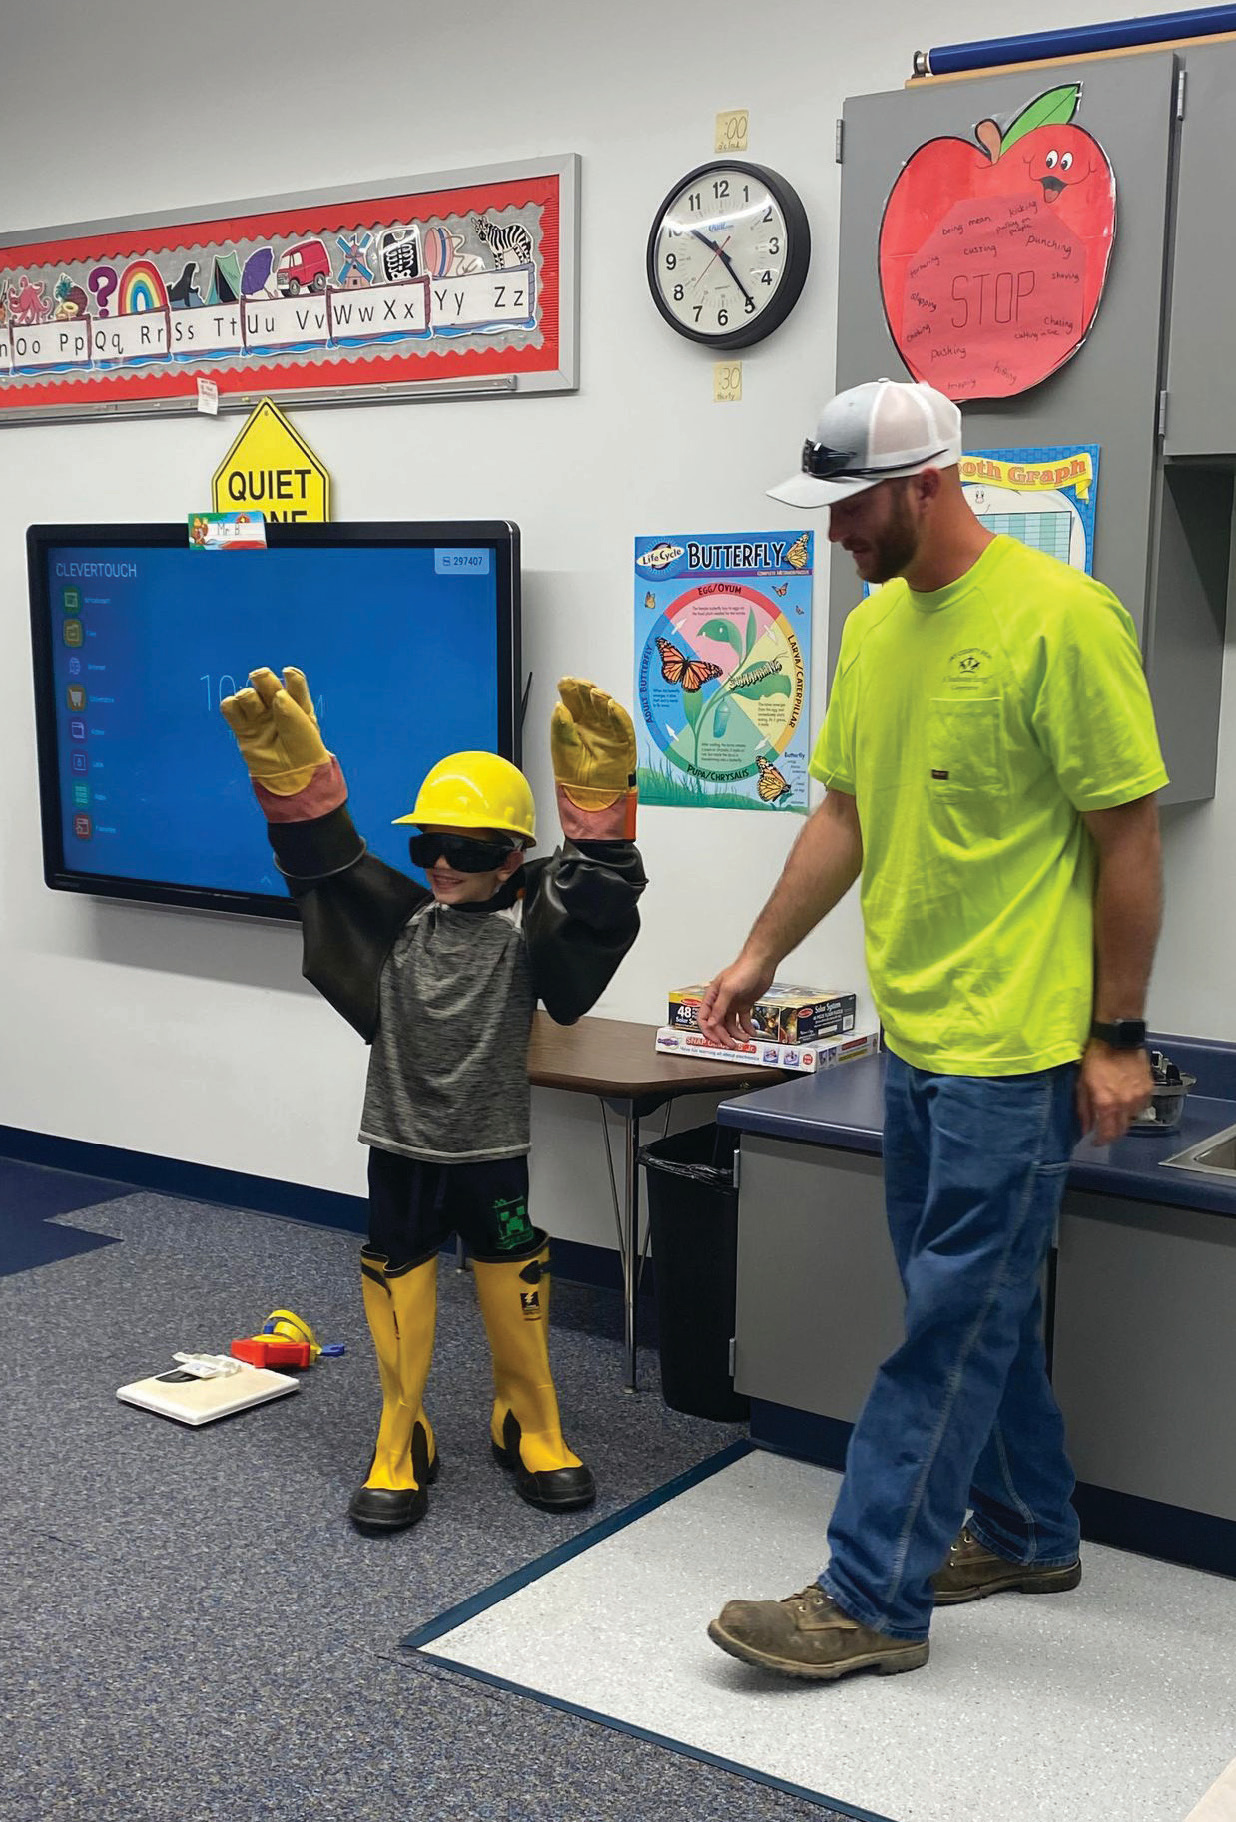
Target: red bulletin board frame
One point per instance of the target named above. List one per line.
(501, 317)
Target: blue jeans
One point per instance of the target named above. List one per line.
(962, 1413)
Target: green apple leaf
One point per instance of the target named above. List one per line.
(1056, 108)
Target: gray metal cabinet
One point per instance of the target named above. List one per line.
(1145, 1350)
(1144, 1347)
(1201, 373)
(1161, 540)
(1108, 393)
(819, 1300)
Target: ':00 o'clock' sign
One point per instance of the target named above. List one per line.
(994, 252)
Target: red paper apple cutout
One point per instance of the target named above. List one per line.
(993, 255)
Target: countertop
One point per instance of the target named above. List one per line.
(844, 1108)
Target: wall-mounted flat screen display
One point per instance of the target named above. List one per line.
(408, 634)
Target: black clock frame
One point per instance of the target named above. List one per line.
(798, 257)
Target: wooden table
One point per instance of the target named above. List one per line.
(619, 1064)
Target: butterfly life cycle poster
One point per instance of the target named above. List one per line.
(722, 668)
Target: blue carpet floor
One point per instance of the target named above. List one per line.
(29, 1197)
(190, 1631)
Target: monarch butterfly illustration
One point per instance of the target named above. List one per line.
(796, 555)
(771, 784)
(781, 590)
(650, 600)
(676, 667)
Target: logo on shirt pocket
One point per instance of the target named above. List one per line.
(967, 668)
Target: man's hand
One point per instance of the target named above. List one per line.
(592, 749)
(725, 1015)
(276, 730)
(1113, 1088)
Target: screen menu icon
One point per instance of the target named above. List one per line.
(83, 828)
(74, 632)
(78, 762)
(76, 695)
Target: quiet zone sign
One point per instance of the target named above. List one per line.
(271, 469)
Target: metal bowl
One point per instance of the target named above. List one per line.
(1166, 1109)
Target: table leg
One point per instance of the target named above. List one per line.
(630, 1240)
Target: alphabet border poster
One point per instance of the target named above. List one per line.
(463, 280)
(722, 665)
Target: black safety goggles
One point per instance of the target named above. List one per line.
(461, 853)
(838, 464)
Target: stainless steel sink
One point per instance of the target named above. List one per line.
(1215, 1155)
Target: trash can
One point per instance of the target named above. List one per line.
(693, 1219)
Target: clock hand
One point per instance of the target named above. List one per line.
(728, 263)
(718, 252)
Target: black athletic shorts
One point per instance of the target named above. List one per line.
(415, 1206)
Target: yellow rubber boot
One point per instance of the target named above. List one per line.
(525, 1428)
(400, 1307)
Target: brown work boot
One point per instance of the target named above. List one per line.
(807, 1635)
(973, 1571)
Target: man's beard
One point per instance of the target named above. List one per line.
(896, 547)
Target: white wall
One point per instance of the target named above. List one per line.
(194, 1037)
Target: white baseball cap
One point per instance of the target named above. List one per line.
(870, 434)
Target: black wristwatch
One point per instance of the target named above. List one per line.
(1120, 1034)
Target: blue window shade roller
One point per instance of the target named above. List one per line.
(1074, 41)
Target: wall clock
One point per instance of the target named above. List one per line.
(728, 253)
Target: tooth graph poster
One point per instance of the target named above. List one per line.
(467, 277)
(722, 664)
(1044, 497)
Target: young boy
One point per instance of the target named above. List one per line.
(442, 984)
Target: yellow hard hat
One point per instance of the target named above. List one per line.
(476, 791)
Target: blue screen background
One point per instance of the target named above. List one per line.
(401, 654)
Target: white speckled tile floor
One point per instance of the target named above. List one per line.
(1115, 1703)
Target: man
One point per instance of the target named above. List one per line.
(990, 760)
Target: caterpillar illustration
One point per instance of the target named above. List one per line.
(742, 679)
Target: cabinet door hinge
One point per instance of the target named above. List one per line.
(1182, 77)
(839, 143)
(1162, 423)
(733, 1343)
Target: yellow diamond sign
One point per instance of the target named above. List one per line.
(271, 469)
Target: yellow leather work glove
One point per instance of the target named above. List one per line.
(276, 730)
(592, 749)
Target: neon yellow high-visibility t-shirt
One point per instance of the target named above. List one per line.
(972, 726)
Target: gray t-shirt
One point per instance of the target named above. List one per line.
(448, 1077)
